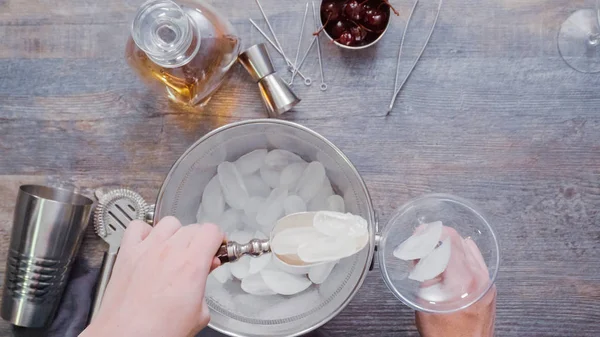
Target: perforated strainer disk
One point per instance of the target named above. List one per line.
(233, 311)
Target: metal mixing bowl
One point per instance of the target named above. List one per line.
(234, 312)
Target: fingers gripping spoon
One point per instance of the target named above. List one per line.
(115, 210)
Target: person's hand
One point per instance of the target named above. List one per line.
(471, 272)
(158, 281)
(474, 321)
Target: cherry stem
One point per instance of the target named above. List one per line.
(391, 7)
(365, 28)
(323, 26)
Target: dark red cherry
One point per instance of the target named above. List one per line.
(338, 28)
(353, 10)
(330, 10)
(358, 33)
(346, 38)
(366, 9)
(375, 19)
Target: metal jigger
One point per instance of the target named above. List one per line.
(276, 94)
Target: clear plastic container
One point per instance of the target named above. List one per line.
(467, 284)
(182, 50)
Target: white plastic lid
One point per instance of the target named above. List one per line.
(465, 280)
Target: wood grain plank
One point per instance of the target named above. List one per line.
(491, 113)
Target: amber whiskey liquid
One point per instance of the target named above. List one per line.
(210, 52)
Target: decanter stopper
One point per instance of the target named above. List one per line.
(165, 33)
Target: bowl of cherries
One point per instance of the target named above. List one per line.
(355, 24)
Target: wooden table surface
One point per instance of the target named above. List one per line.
(491, 113)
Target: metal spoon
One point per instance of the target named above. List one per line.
(232, 251)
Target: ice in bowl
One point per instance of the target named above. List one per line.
(247, 197)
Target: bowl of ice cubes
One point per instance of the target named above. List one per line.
(244, 177)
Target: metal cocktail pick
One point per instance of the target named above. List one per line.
(317, 26)
(269, 25)
(307, 81)
(291, 67)
(276, 94)
(312, 43)
(398, 88)
(300, 41)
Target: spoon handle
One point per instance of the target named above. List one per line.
(232, 251)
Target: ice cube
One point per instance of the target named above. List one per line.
(253, 205)
(288, 240)
(293, 204)
(240, 268)
(272, 208)
(212, 198)
(249, 223)
(222, 273)
(433, 264)
(268, 228)
(316, 205)
(255, 285)
(318, 274)
(319, 201)
(256, 186)
(335, 203)
(350, 201)
(291, 173)
(202, 217)
(279, 159)
(259, 263)
(340, 224)
(311, 181)
(270, 176)
(420, 244)
(251, 162)
(232, 185)
(260, 235)
(284, 283)
(230, 219)
(326, 249)
(277, 194)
